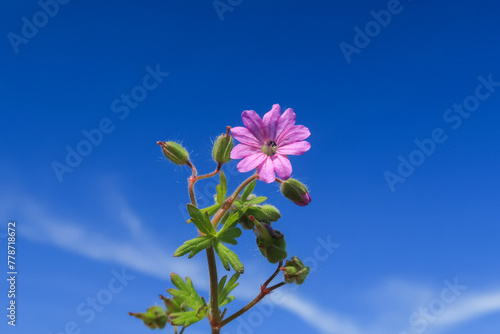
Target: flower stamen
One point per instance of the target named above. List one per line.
(270, 148)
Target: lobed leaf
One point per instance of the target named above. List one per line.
(188, 318)
(229, 235)
(186, 292)
(194, 246)
(225, 289)
(201, 220)
(228, 257)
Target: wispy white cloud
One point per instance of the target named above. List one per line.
(143, 252)
(470, 308)
(325, 321)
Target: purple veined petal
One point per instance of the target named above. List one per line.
(251, 162)
(282, 166)
(271, 120)
(255, 125)
(266, 171)
(294, 148)
(241, 151)
(293, 134)
(244, 136)
(286, 120)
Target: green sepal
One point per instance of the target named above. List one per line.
(295, 271)
(201, 220)
(271, 242)
(154, 317)
(194, 246)
(228, 257)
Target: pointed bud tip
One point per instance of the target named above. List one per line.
(174, 152)
(223, 146)
(295, 191)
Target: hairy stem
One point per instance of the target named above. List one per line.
(212, 265)
(214, 292)
(227, 204)
(264, 291)
(261, 295)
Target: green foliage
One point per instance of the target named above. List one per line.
(201, 220)
(194, 246)
(154, 317)
(221, 188)
(229, 235)
(248, 190)
(187, 295)
(228, 257)
(225, 289)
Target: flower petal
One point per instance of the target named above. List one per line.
(241, 151)
(254, 124)
(293, 134)
(282, 166)
(244, 136)
(294, 148)
(271, 120)
(266, 171)
(251, 162)
(286, 120)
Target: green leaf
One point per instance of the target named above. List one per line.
(194, 246)
(188, 318)
(233, 219)
(202, 221)
(221, 188)
(220, 196)
(257, 200)
(248, 190)
(228, 257)
(223, 182)
(225, 289)
(186, 292)
(211, 211)
(229, 235)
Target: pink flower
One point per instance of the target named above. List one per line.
(265, 143)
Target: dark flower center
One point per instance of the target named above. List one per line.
(269, 148)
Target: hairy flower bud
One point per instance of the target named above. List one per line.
(155, 317)
(295, 271)
(295, 191)
(174, 152)
(265, 214)
(271, 242)
(222, 148)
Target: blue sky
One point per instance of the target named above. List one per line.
(402, 101)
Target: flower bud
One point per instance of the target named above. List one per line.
(222, 148)
(295, 191)
(295, 271)
(174, 152)
(265, 214)
(271, 242)
(155, 317)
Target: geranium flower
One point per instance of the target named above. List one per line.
(265, 143)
